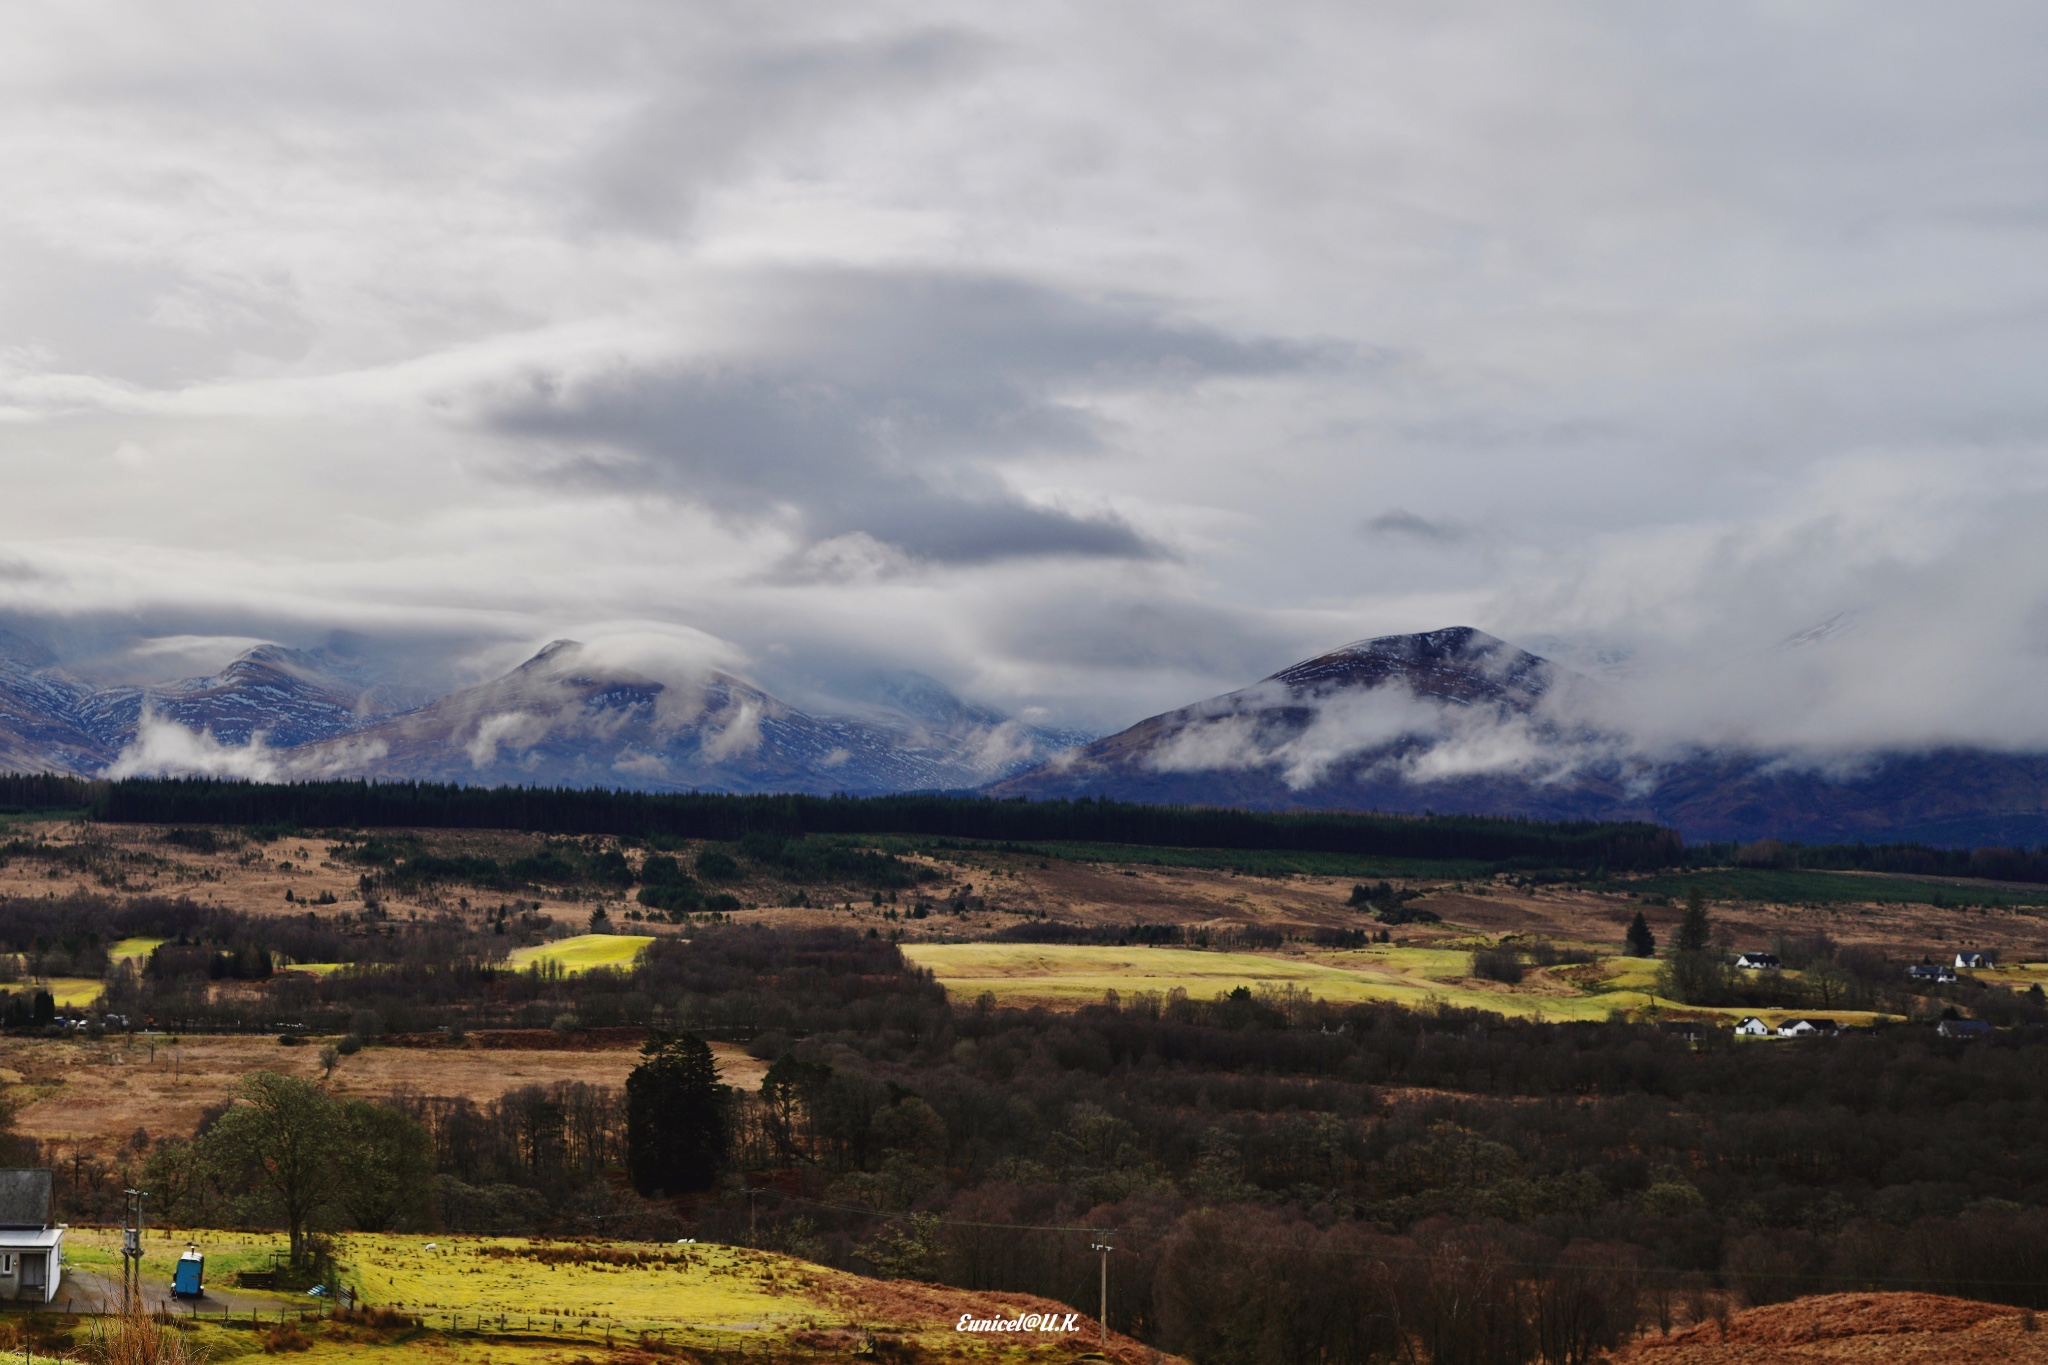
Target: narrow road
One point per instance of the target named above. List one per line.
(86, 1291)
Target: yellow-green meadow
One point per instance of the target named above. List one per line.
(584, 951)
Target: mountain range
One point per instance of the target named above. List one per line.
(1457, 722)
(561, 718)
(1451, 721)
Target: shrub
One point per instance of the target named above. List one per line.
(661, 870)
(136, 1338)
(1498, 964)
(285, 1337)
(670, 898)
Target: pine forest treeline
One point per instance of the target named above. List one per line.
(1504, 843)
(424, 805)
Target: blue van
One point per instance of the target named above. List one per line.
(190, 1280)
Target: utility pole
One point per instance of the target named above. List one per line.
(1102, 1319)
(131, 1248)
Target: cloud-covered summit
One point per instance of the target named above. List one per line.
(633, 710)
(1457, 721)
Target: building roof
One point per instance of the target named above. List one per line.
(29, 1239)
(25, 1198)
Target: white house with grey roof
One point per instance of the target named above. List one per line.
(31, 1240)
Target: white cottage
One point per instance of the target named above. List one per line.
(31, 1241)
(1753, 1027)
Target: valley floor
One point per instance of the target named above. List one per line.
(518, 1300)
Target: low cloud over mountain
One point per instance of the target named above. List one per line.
(1457, 721)
(621, 713)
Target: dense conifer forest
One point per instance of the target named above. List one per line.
(363, 805)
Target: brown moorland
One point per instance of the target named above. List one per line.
(997, 890)
(91, 1096)
(1899, 1329)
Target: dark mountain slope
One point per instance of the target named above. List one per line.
(42, 725)
(282, 694)
(560, 719)
(1458, 722)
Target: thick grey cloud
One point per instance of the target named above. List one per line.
(877, 405)
(700, 129)
(1089, 359)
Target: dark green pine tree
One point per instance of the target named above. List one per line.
(675, 1118)
(1695, 931)
(1641, 942)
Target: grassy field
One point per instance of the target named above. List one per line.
(1074, 974)
(136, 950)
(99, 1250)
(67, 991)
(700, 1286)
(512, 1299)
(1794, 887)
(585, 951)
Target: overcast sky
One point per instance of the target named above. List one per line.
(1092, 358)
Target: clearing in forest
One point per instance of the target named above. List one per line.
(1071, 975)
(1074, 974)
(585, 951)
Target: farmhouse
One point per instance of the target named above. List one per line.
(31, 1244)
(1940, 973)
(1753, 1027)
(1964, 1028)
(1807, 1028)
(1976, 959)
(1758, 962)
